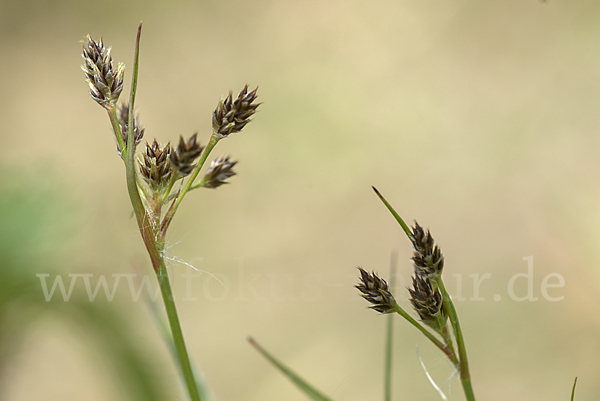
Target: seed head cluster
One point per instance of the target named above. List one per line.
(425, 296)
(155, 167)
(220, 170)
(428, 258)
(231, 115)
(426, 300)
(105, 82)
(183, 158)
(376, 291)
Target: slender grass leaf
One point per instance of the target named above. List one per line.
(396, 215)
(306, 388)
(389, 335)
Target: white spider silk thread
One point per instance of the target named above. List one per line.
(435, 386)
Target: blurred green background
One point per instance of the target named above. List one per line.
(479, 119)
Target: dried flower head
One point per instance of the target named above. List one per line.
(375, 290)
(184, 156)
(428, 258)
(231, 116)
(427, 301)
(105, 82)
(123, 117)
(155, 167)
(220, 170)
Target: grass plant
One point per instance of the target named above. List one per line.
(159, 179)
(430, 301)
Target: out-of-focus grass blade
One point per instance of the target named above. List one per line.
(389, 335)
(573, 391)
(306, 388)
(35, 217)
(396, 215)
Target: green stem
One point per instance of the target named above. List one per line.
(465, 376)
(148, 235)
(388, 359)
(427, 334)
(184, 359)
(389, 336)
(447, 338)
(134, 195)
(174, 178)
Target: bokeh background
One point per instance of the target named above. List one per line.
(478, 118)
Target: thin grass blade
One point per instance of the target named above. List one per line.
(573, 391)
(390, 335)
(396, 215)
(306, 388)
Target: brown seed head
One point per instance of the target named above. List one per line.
(428, 258)
(220, 170)
(231, 116)
(375, 290)
(155, 167)
(105, 82)
(184, 156)
(427, 300)
(123, 117)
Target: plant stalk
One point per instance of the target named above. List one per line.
(451, 355)
(465, 376)
(134, 195)
(389, 336)
(148, 235)
(184, 359)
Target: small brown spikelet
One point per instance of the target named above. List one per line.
(155, 167)
(183, 157)
(375, 290)
(123, 117)
(231, 116)
(427, 300)
(105, 82)
(220, 170)
(428, 258)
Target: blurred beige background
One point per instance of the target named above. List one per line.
(478, 119)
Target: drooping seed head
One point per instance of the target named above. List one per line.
(123, 117)
(428, 258)
(376, 291)
(220, 170)
(155, 167)
(231, 115)
(427, 301)
(105, 82)
(183, 157)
